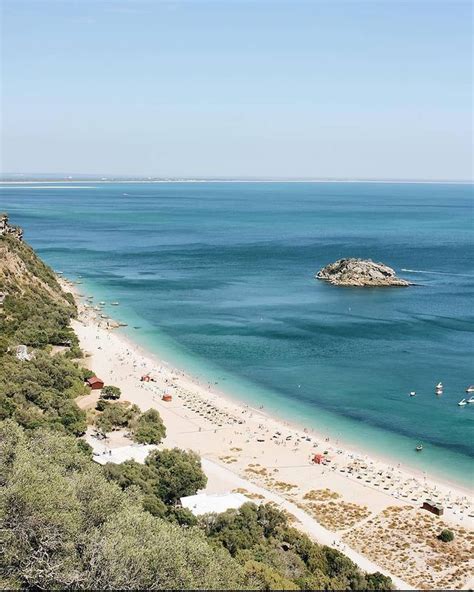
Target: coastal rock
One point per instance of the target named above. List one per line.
(360, 273)
(6, 229)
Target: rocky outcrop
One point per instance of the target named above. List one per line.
(8, 229)
(360, 273)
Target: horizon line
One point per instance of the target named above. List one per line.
(109, 178)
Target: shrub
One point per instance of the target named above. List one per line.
(149, 428)
(111, 392)
(87, 374)
(116, 416)
(446, 535)
(102, 404)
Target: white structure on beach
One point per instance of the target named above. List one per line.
(136, 452)
(203, 503)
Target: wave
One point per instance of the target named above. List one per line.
(438, 272)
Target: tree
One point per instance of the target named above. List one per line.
(111, 392)
(149, 428)
(267, 578)
(116, 416)
(377, 581)
(178, 474)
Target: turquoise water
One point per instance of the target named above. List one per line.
(219, 278)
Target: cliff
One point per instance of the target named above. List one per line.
(360, 273)
(8, 229)
(22, 272)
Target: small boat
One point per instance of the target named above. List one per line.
(114, 303)
(419, 447)
(413, 394)
(438, 391)
(102, 303)
(471, 399)
(462, 402)
(439, 386)
(470, 388)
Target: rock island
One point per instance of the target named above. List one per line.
(360, 273)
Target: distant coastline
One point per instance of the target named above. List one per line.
(13, 179)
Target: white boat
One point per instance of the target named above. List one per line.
(471, 399)
(439, 386)
(419, 448)
(102, 303)
(413, 394)
(470, 388)
(114, 303)
(462, 402)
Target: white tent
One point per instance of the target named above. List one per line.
(203, 503)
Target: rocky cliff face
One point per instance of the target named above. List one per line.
(22, 271)
(360, 273)
(8, 229)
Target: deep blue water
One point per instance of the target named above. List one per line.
(220, 276)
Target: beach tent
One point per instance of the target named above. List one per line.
(167, 398)
(318, 459)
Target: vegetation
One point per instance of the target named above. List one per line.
(446, 535)
(36, 313)
(279, 556)
(166, 476)
(149, 428)
(115, 416)
(65, 526)
(110, 392)
(145, 428)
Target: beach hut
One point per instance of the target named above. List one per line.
(95, 383)
(167, 398)
(436, 509)
(318, 459)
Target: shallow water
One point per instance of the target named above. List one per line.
(220, 276)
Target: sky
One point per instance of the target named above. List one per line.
(234, 88)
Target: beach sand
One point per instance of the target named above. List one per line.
(245, 449)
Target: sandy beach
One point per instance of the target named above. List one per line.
(348, 501)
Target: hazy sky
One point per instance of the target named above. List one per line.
(312, 88)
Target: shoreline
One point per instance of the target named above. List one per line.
(265, 451)
(293, 424)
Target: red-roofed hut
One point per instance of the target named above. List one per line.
(95, 383)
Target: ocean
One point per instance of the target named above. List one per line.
(219, 279)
